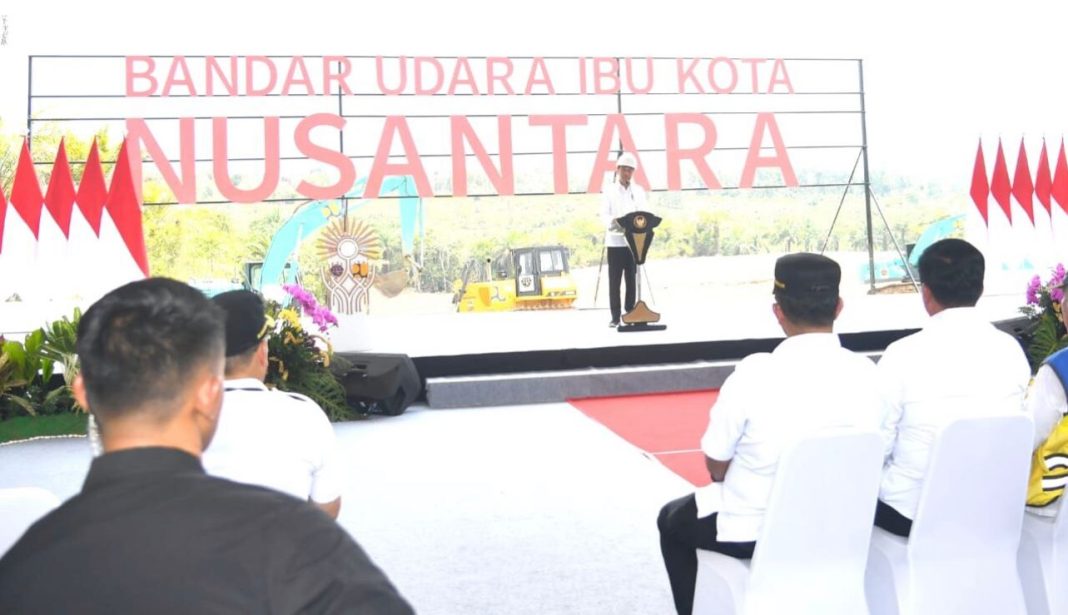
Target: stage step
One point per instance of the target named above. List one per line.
(557, 386)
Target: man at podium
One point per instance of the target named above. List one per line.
(618, 199)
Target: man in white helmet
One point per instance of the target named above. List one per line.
(618, 199)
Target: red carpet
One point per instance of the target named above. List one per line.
(668, 426)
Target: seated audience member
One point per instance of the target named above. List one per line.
(1048, 406)
(269, 438)
(959, 365)
(810, 383)
(150, 531)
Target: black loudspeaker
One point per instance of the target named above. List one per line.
(381, 383)
(1021, 327)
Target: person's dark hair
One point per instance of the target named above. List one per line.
(815, 310)
(953, 269)
(140, 344)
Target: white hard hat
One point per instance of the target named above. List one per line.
(627, 160)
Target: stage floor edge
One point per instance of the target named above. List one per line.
(445, 345)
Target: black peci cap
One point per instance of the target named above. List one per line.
(246, 320)
(806, 275)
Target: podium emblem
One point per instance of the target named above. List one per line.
(638, 229)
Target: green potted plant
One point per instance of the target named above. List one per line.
(12, 381)
(300, 360)
(59, 344)
(1047, 333)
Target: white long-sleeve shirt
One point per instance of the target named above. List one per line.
(616, 202)
(958, 366)
(809, 384)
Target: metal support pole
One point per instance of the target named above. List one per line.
(841, 202)
(867, 181)
(619, 101)
(341, 146)
(340, 112)
(29, 102)
(597, 286)
(648, 283)
(897, 246)
(637, 283)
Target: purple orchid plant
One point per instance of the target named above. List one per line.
(320, 314)
(1047, 335)
(1041, 297)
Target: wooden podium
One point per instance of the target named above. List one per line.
(638, 229)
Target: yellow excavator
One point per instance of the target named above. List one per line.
(537, 278)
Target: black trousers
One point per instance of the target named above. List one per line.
(681, 533)
(620, 264)
(889, 519)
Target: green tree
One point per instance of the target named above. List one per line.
(43, 147)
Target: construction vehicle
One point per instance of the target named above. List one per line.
(537, 278)
(896, 270)
(251, 279)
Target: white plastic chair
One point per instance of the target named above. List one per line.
(961, 554)
(1043, 561)
(814, 542)
(19, 508)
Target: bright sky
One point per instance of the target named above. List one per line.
(939, 75)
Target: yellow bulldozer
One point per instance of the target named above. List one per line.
(537, 278)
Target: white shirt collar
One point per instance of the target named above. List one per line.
(245, 383)
(954, 316)
(807, 342)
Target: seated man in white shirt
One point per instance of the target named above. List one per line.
(270, 438)
(807, 385)
(1048, 406)
(959, 365)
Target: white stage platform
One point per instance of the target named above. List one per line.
(734, 318)
(701, 300)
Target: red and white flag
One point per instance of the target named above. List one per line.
(18, 260)
(1022, 188)
(124, 257)
(1043, 180)
(92, 191)
(1032, 252)
(1000, 187)
(84, 238)
(1043, 223)
(1002, 250)
(125, 208)
(52, 278)
(1059, 213)
(980, 187)
(52, 251)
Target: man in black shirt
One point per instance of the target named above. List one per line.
(150, 532)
